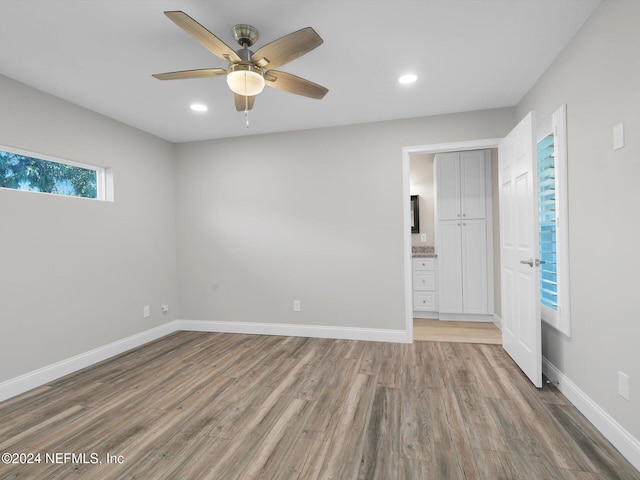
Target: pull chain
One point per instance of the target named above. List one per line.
(246, 103)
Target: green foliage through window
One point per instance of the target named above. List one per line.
(21, 172)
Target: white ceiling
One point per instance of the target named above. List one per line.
(468, 54)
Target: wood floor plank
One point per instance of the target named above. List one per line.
(484, 372)
(496, 465)
(348, 425)
(410, 469)
(433, 365)
(522, 442)
(416, 431)
(576, 475)
(414, 381)
(448, 463)
(381, 454)
(481, 428)
(225, 406)
(461, 371)
(280, 437)
(603, 455)
(330, 397)
(391, 371)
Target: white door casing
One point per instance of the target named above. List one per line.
(407, 151)
(519, 243)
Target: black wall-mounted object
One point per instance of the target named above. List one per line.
(415, 216)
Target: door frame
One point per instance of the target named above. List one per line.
(479, 144)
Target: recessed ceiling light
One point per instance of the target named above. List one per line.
(199, 107)
(408, 78)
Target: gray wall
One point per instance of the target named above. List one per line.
(313, 215)
(75, 273)
(598, 77)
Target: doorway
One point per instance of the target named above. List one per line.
(407, 152)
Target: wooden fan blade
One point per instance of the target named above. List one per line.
(202, 73)
(292, 84)
(204, 36)
(287, 48)
(243, 103)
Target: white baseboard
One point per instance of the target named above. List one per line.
(465, 317)
(497, 321)
(15, 386)
(292, 330)
(42, 376)
(427, 315)
(626, 443)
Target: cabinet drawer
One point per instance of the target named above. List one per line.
(424, 263)
(424, 280)
(424, 301)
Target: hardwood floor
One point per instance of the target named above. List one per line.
(449, 331)
(224, 406)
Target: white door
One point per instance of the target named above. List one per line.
(519, 247)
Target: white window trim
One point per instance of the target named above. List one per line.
(556, 123)
(104, 180)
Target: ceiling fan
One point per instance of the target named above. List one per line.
(248, 72)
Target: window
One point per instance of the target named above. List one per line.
(553, 221)
(20, 170)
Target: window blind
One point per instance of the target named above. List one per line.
(547, 221)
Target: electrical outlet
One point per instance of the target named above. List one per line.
(146, 312)
(296, 305)
(623, 385)
(423, 237)
(164, 308)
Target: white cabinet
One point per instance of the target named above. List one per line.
(425, 297)
(463, 232)
(461, 184)
(449, 246)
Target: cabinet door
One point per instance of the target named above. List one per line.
(473, 190)
(449, 267)
(447, 167)
(474, 270)
(424, 280)
(424, 301)
(423, 263)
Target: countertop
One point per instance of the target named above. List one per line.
(423, 252)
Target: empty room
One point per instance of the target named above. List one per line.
(320, 239)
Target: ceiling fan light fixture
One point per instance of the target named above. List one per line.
(245, 80)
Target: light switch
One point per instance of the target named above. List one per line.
(618, 136)
(623, 385)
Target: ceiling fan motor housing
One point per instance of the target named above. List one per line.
(245, 35)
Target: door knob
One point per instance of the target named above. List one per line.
(531, 262)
